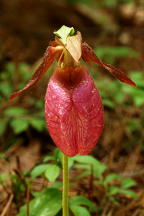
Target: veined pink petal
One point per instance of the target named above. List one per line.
(73, 111)
(48, 59)
(88, 55)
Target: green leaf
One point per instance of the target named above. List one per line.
(98, 182)
(113, 190)
(5, 88)
(70, 162)
(114, 200)
(111, 177)
(138, 77)
(139, 101)
(85, 159)
(47, 158)
(99, 170)
(10, 67)
(58, 155)
(133, 124)
(19, 125)
(110, 3)
(83, 174)
(127, 183)
(111, 53)
(24, 71)
(98, 167)
(57, 185)
(52, 172)
(109, 103)
(64, 32)
(136, 93)
(79, 210)
(15, 111)
(4, 178)
(38, 170)
(83, 166)
(37, 123)
(47, 203)
(129, 193)
(2, 155)
(81, 200)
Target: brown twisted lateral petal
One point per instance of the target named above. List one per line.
(48, 59)
(88, 55)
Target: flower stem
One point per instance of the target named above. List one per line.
(65, 186)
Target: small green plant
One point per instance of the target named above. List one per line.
(112, 53)
(124, 95)
(113, 184)
(20, 117)
(48, 200)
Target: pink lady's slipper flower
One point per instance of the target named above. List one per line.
(73, 107)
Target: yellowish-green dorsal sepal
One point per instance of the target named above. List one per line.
(64, 32)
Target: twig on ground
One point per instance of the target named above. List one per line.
(7, 205)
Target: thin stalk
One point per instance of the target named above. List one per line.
(65, 186)
(28, 199)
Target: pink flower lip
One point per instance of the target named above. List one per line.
(74, 115)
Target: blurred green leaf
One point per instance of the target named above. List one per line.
(2, 155)
(111, 177)
(99, 170)
(47, 203)
(38, 170)
(19, 125)
(84, 174)
(127, 1)
(109, 103)
(52, 172)
(86, 159)
(81, 200)
(110, 3)
(111, 53)
(58, 155)
(57, 185)
(47, 158)
(136, 93)
(97, 167)
(83, 166)
(4, 178)
(129, 193)
(70, 162)
(127, 183)
(24, 70)
(37, 123)
(10, 67)
(79, 210)
(113, 190)
(114, 3)
(5, 88)
(133, 124)
(15, 111)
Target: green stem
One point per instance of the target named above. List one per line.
(65, 186)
